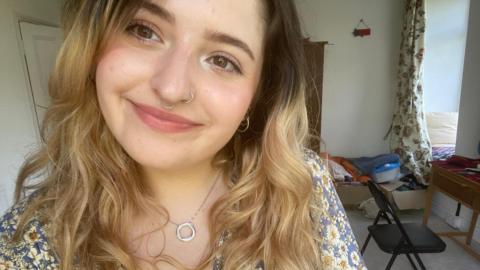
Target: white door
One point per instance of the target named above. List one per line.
(40, 44)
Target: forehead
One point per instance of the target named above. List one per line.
(216, 8)
(243, 18)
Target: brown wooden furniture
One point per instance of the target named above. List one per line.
(461, 189)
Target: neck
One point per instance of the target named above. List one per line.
(181, 191)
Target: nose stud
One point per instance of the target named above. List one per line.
(170, 107)
(192, 96)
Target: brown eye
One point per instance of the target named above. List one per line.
(224, 63)
(142, 32)
(220, 61)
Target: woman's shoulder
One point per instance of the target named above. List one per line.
(32, 250)
(317, 166)
(337, 243)
(321, 178)
(324, 193)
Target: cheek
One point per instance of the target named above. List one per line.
(229, 104)
(118, 71)
(106, 86)
(109, 69)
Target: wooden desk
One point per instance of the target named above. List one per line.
(461, 189)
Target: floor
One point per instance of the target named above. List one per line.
(453, 258)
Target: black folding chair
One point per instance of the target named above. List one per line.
(400, 238)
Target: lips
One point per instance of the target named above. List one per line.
(162, 120)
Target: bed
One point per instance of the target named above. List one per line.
(442, 130)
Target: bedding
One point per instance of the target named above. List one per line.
(442, 130)
(443, 152)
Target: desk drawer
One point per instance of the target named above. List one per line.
(454, 186)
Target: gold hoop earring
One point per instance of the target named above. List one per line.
(244, 125)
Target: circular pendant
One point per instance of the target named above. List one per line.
(189, 229)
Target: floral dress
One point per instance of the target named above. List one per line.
(338, 247)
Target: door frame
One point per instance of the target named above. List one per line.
(17, 19)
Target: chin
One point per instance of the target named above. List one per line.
(164, 161)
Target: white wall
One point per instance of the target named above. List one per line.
(468, 136)
(360, 73)
(18, 131)
(445, 40)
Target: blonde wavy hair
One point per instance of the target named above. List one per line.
(86, 187)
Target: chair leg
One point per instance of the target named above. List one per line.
(377, 218)
(390, 263)
(365, 244)
(422, 266)
(411, 261)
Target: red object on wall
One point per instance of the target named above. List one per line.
(362, 32)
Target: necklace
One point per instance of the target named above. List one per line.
(186, 231)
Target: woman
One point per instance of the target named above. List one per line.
(176, 140)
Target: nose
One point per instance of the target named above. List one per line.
(170, 80)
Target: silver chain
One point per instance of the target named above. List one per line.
(201, 205)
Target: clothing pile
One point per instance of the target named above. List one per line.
(381, 168)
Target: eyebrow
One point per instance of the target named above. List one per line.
(212, 36)
(227, 39)
(159, 11)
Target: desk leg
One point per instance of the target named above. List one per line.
(471, 229)
(428, 203)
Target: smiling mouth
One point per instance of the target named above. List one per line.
(163, 121)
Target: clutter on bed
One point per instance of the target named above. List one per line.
(381, 168)
(399, 184)
(386, 172)
(355, 175)
(338, 172)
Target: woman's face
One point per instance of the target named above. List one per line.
(172, 49)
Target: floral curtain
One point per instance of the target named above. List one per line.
(409, 136)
